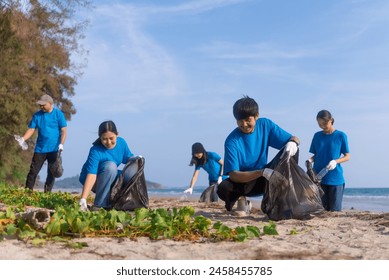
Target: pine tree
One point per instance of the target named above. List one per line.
(37, 40)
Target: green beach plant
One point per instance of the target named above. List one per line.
(67, 221)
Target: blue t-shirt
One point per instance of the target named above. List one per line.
(212, 166)
(49, 130)
(326, 147)
(248, 152)
(99, 154)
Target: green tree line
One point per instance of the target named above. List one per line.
(37, 41)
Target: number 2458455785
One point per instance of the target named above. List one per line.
(243, 270)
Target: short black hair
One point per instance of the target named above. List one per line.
(325, 115)
(245, 107)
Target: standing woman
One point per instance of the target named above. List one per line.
(211, 162)
(330, 148)
(101, 167)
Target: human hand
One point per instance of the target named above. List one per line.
(189, 190)
(331, 165)
(83, 205)
(60, 147)
(219, 180)
(21, 142)
(291, 147)
(267, 172)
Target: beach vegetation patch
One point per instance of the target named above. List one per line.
(66, 220)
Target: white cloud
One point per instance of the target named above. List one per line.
(260, 51)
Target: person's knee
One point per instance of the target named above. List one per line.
(130, 171)
(109, 167)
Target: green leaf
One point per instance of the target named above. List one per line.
(253, 231)
(270, 229)
(53, 228)
(10, 230)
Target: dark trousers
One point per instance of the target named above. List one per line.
(230, 192)
(37, 162)
(332, 198)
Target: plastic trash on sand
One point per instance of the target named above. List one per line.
(209, 194)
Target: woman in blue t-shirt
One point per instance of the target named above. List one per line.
(211, 162)
(101, 167)
(330, 148)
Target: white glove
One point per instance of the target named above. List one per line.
(83, 205)
(331, 165)
(291, 147)
(219, 180)
(21, 142)
(267, 172)
(60, 147)
(189, 190)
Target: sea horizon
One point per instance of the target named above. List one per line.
(355, 198)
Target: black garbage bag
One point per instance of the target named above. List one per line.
(209, 194)
(56, 167)
(311, 173)
(131, 194)
(290, 193)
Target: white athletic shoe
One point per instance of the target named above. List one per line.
(243, 207)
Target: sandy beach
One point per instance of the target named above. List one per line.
(346, 235)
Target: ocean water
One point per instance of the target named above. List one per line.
(363, 199)
(370, 199)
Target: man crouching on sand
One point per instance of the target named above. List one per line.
(246, 152)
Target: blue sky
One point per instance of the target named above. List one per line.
(168, 73)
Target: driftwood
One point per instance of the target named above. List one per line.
(37, 217)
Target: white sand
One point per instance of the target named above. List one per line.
(340, 235)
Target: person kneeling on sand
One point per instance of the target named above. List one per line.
(101, 167)
(246, 153)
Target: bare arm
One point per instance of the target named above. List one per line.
(88, 185)
(194, 178)
(344, 158)
(28, 133)
(245, 176)
(222, 167)
(63, 135)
